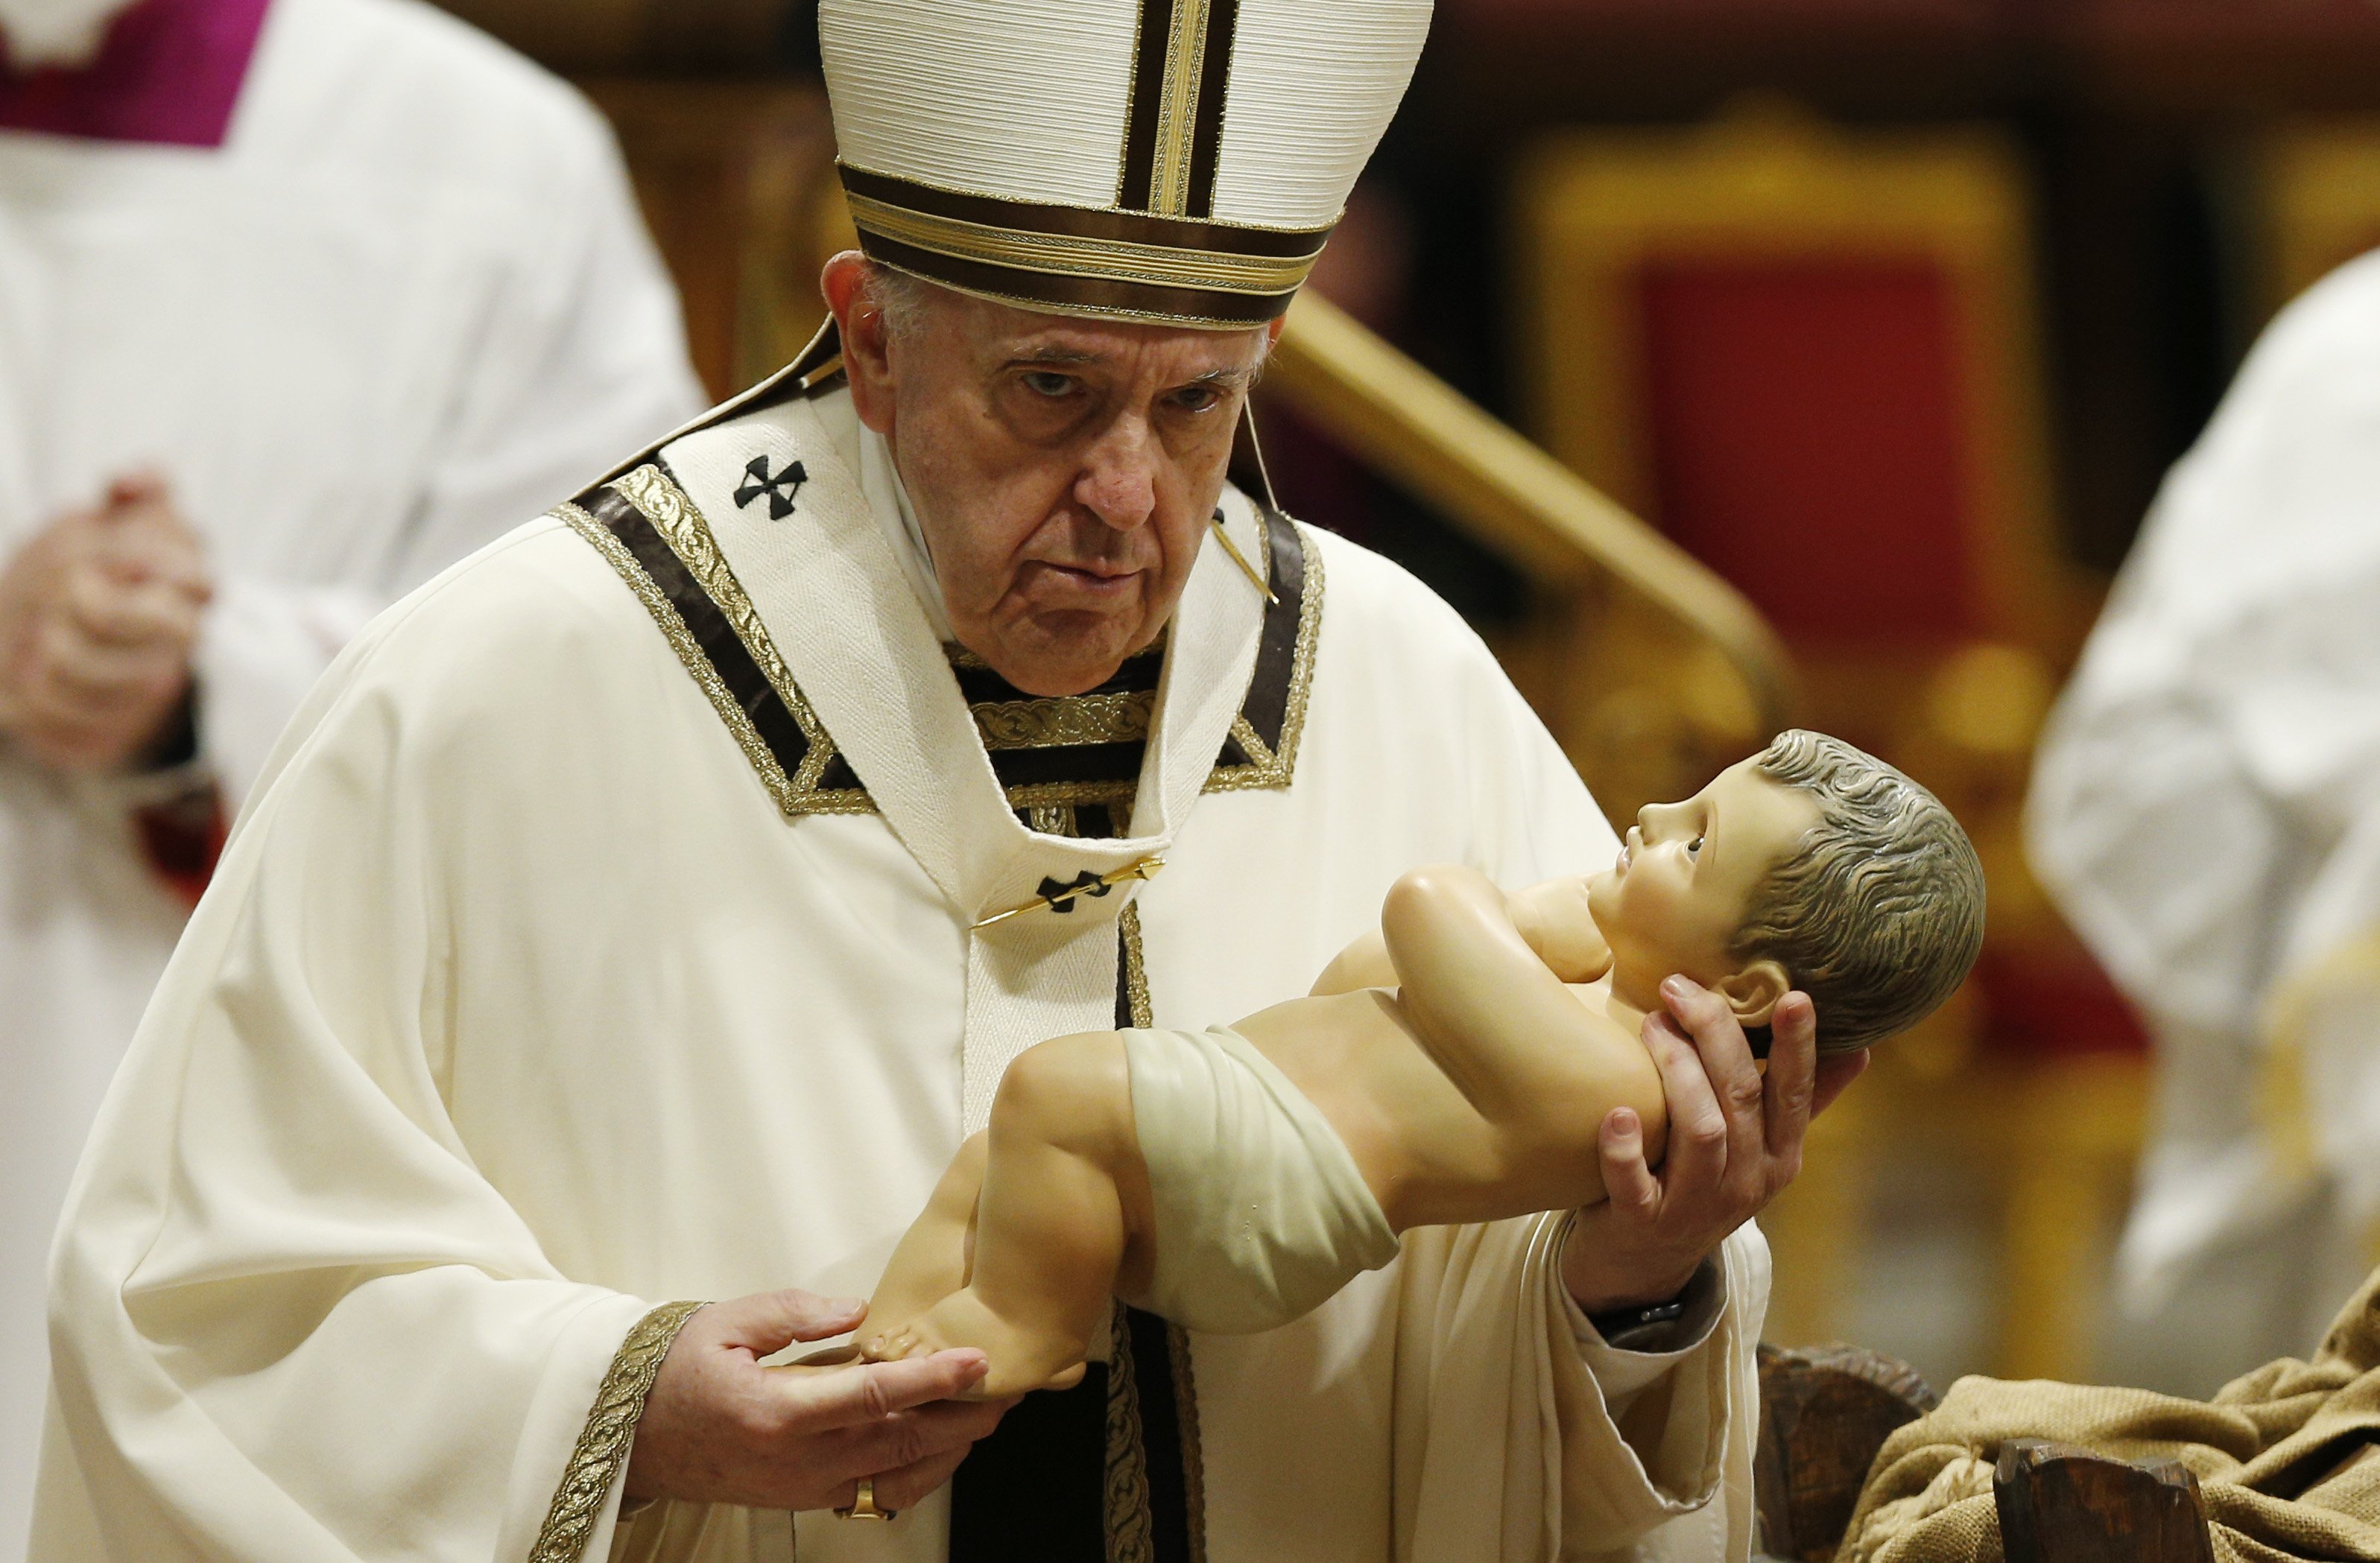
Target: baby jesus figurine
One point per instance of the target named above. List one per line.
(1454, 1067)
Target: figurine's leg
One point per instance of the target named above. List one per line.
(1053, 1222)
(932, 1262)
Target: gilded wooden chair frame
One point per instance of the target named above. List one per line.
(1768, 184)
(2318, 200)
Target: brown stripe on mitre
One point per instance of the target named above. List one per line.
(1086, 222)
(1155, 30)
(1215, 80)
(1083, 259)
(1081, 295)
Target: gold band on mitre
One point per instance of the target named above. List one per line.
(1176, 270)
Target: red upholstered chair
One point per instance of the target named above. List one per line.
(1808, 357)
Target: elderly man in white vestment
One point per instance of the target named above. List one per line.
(618, 928)
(2206, 808)
(299, 303)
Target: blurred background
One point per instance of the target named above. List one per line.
(1890, 313)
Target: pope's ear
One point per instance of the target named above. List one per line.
(1755, 992)
(867, 356)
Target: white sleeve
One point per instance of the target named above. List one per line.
(278, 1251)
(1496, 1396)
(580, 362)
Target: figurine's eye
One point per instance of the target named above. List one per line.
(1695, 847)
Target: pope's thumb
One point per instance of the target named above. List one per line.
(770, 1321)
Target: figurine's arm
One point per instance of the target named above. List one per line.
(1551, 918)
(1364, 964)
(1513, 1038)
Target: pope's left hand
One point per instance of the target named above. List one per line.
(1735, 1141)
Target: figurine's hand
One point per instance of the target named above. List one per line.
(1553, 920)
(1734, 1141)
(718, 1428)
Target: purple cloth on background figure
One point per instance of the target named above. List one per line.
(169, 73)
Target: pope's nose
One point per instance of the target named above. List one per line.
(1118, 479)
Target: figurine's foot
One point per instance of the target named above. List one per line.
(1022, 1360)
(901, 1297)
(932, 1261)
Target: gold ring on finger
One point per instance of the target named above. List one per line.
(863, 1507)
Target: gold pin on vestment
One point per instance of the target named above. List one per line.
(1055, 897)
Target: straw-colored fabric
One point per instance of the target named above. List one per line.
(1929, 1498)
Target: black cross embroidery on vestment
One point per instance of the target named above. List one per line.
(1061, 897)
(757, 482)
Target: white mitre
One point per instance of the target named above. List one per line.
(1177, 161)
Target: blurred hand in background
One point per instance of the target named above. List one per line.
(98, 616)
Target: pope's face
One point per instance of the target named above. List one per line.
(1685, 877)
(1062, 472)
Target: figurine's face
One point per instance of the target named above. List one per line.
(1684, 881)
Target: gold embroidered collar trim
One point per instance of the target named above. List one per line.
(1068, 765)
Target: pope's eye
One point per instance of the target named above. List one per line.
(1048, 382)
(1197, 398)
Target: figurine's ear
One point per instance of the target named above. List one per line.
(1755, 992)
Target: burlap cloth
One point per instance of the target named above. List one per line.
(1928, 1499)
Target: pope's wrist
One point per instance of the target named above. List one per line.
(1597, 1289)
(1608, 1300)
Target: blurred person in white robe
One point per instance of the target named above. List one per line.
(299, 303)
(2206, 811)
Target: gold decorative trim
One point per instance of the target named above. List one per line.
(1074, 256)
(1135, 969)
(1177, 108)
(1062, 721)
(689, 652)
(1194, 1460)
(1126, 1511)
(1042, 794)
(602, 1447)
(1269, 765)
(677, 521)
(681, 525)
(1127, 1489)
(1053, 819)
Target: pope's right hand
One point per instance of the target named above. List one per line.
(718, 1428)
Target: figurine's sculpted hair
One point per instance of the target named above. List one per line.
(1879, 913)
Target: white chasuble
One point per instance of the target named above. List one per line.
(407, 302)
(607, 935)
